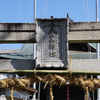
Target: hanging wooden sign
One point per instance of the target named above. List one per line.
(52, 42)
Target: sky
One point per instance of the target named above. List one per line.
(22, 11)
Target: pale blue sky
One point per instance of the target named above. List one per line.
(21, 11)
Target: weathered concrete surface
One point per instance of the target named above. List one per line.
(17, 37)
(86, 64)
(17, 33)
(8, 64)
(17, 27)
(79, 32)
(84, 37)
(84, 32)
(84, 26)
(77, 64)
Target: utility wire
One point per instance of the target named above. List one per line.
(46, 8)
(90, 47)
(30, 11)
(43, 8)
(84, 9)
(98, 10)
(87, 11)
(20, 10)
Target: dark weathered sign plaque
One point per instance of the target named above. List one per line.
(51, 42)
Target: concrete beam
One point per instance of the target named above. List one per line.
(17, 33)
(11, 64)
(79, 32)
(84, 32)
(86, 64)
(77, 64)
(12, 27)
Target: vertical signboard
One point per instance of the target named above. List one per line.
(52, 42)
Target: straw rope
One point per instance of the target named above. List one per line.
(51, 92)
(52, 79)
(11, 94)
(55, 79)
(87, 94)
